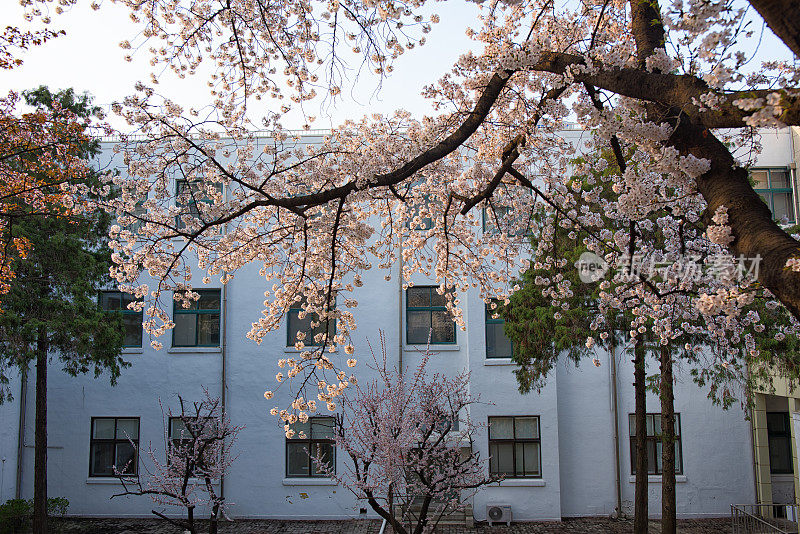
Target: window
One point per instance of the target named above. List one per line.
(497, 343)
(426, 314)
(117, 301)
(653, 426)
(180, 439)
(775, 187)
(308, 325)
(189, 194)
(509, 223)
(779, 437)
(514, 447)
(197, 325)
(312, 439)
(420, 216)
(113, 445)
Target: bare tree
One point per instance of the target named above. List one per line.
(197, 443)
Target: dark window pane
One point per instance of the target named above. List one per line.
(126, 458)
(419, 326)
(132, 323)
(761, 178)
(323, 452)
(102, 460)
(651, 456)
(111, 300)
(443, 327)
(531, 460)
(520, 457)
(501, 428)
(782, 205)
(780, 455)
(103, 428)
(208, 329)
(185, 332)
(418, 297)
(505, 458)
(498, 345)
(779, 179)
(209, 300)
(297, 461)
(436, 298)
(527, 427)
(777, 422)
(322, 428)
(128, 429)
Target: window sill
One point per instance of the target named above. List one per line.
(310, 482)
(520, 482)
(498, 361)
(132, 350)
(656, 479)
(292, 350)
(109, 480)
(433, 348)
(194, 350)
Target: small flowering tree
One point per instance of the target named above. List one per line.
(408, 442)
(198, 443)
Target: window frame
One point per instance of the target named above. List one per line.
(488, 319)
(770, 190)
(115, 441)
(291, 334)
(654, 439)
(787, 434)
(309, 441)
(191, 205)
(178, 309)
(173, 440)
(125, 312)
(513, 442)
(429, 309)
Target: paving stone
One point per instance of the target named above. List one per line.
(256, 526)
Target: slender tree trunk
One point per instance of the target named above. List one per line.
(668, 505)
(640, 392)
(40, 440)
(190, 519)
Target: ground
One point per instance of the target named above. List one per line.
(569, 526)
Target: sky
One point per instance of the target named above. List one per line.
(88, 58)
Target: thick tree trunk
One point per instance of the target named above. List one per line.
(668, 505)
(640, 392)
(40, 439)
(783, 19)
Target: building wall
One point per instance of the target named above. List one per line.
(575, 410)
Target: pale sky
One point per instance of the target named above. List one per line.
(89, 59)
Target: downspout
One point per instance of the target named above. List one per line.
(793, 174)
(615, 408)
(224, 367)
(224, 340)
(400, 308)
(23, 394)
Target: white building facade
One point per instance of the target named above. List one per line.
(570, 423)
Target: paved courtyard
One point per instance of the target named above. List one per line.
(570, 526)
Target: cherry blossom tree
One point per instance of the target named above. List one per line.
(408, 442)
(669, 81)
(196, 456)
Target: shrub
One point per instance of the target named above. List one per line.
(16, 514)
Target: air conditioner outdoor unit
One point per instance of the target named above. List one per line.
(498, 513)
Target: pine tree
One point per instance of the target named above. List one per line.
(51, 311)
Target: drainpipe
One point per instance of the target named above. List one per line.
(400, 307)
(224, 367)
(23, 394)
(615, 407)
